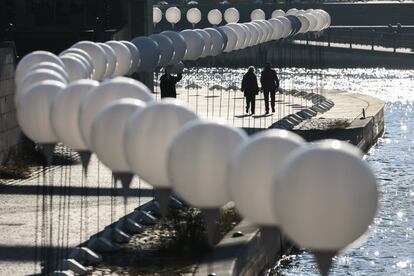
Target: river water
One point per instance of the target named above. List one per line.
(389, 249)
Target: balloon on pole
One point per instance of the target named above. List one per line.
(32, 59)
(107, 136)
(173, 15)
(263, 154)
(193, 16)
(231, 15)
(156, 15)
(147, 137)
(64, 116)
(33, 115)
(198, 162)
(325, 197)
(214, 17)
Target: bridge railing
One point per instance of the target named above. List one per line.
(374, 38)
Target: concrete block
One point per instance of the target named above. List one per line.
(3, 141)
(102, 245)
(7, 104)
(7, 87)
(130, 226)
(73, 265)
(85, 255)
(143, 217)
(7, 71)
(13, 137)
(10, 58)
(63, 273)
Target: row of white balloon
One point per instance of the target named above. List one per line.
(99, 61)
(232, 15)
(323, 196)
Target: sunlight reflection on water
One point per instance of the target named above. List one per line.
(389, 249)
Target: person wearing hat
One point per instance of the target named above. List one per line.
(270, 84)
(250, 88)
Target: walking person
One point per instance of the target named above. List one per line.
(250, 88)
(167, 84)
(270, 84)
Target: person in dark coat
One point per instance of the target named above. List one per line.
(167, 84)
(250, 89)
(270, 84)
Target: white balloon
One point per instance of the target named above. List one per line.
(214, 17)
(180, 47)
(50, 66)
(198, 162)
(107, 134)
(257, 14)
(82, 60)
(231, 15)
(147, 138)
(292, 11)
(231, 38)
(75, 68)
(156, 15)
(33, 113)
(217, 41)
(277, 13)
(64, 113)
(166, 48)
(111, 59)
(248, 39)
(32, 59)
(287, 27)
(98, 55)
(136, 56)
(262, 31)
(123, 58)
(208, 42)
(176, 68)
(269, 28)
(106, 93)
(277, 28)
(173, 15)
(313, 22)
(193, 15)
(195, 44)
(35, 77)
(254, 32)
(257, 161)
(240, 33)
(149, 52)
(321, 20)
(305, 23)
(327, 18)
(325, 197)
(81, 54)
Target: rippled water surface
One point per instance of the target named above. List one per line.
(389, 250)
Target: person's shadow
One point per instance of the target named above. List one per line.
(242, 116)
(262, 115)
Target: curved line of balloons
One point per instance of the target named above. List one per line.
(323, 196)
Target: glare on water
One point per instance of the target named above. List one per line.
(389, 249)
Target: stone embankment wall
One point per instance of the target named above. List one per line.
(10, 135)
